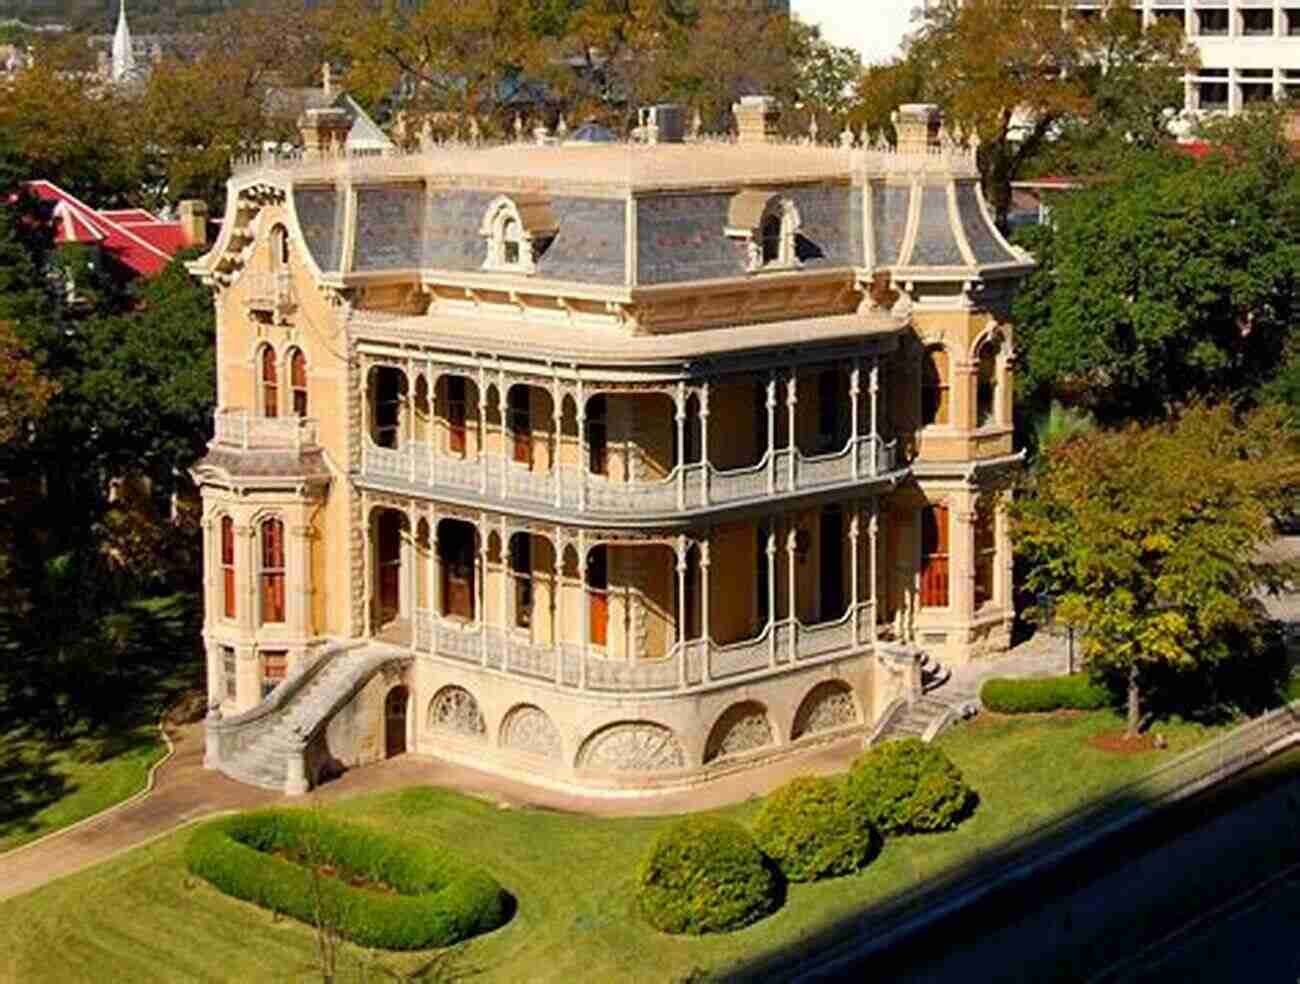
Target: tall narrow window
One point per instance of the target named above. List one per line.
(272, 573)
(456, 415)
(519, 420)
(598, 596)
(934, 557)
(389, 393)
(521, 569)
(229, 680)
(598, 436)
(228, 605)
(771, 234)
(829, 400)
(986, 397)
(761, 585)
(279, 248)
(986, 550)
(510, 242)
(298, 382)
(274, 667)
(270, 384)
(934, 387)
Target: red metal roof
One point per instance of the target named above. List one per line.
(140, 241)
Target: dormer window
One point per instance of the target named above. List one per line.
(768, 225)
(518, 230)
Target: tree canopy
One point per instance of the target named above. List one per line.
(1150, 539)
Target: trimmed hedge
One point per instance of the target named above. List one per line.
(812, 829)
(1034, 694)
(436, 899)
(907, 786)
(705, 875)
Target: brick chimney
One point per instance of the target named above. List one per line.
(193, 216)
(756, 118)
(918, 126)
(324, 130)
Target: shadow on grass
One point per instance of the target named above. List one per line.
(888, 937)
(28, 785)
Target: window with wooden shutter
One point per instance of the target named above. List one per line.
(270, 384)
(272, 574)
(298, 382)
(228, 606)
(934, 557)
(275, 665)
(986, 551)
(229, 676)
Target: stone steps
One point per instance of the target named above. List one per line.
(264, 763)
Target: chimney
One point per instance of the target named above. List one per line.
(193, 216)
(919, 127)
(756, 118)
(324, 131)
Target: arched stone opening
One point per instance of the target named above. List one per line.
(527, 728)
(829, 706)
(458, 561)
(632, 746)
(740, 729)
(396, 705)
(454, 710)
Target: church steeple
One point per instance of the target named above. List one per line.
(123, 51)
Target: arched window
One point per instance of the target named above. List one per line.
(934, 386)
(986, 551)
(934, 557)
(272, 571)
(986, 397)
(510, 243)
(228, 605)
(298, 382)
(518, 232)
(270, 384)
(279, 248)
(777, 234)
(771, 234)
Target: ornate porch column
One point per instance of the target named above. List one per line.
(771, 431)
(853, 566)
(873, 546)
(681, 607)
(503, 403)
(481, 586)
(584, 463)
(213, 603)
(874, 387)
(585, 609)
(771, 590)
(791, 536)
(410, 421)
(679, 399)
(557, 438)
(705, 630)
(367, 568)
(505, 583)
(855, 396)
(435, 575)
(482, 430)
(962, 555)
(557, 618)
(704, 441)
(431, 438)
(298, 576)
(792, 401)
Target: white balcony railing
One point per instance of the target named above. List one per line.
(268, 290)
(249, 432)
(694, 486)
(691, 665)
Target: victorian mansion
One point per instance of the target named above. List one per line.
(601, 465)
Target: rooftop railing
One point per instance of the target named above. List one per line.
(248, 432)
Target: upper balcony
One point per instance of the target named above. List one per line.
(245, 431)
(657, 451)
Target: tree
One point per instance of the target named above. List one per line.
(1010, 73)
(24, 392)
(1149, 538)
(1174, 279)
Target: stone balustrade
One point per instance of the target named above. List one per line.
(696, 664)
(690, 487)
(250, 432)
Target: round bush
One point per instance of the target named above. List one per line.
(907, 786)
(705, 875)
(812, 829)
(262, 857)
(1037, 694)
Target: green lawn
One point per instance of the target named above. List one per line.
(45, 785)
(140, 917)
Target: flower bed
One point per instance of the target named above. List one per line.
(418, 895)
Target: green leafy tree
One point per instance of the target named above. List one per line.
(1149, 538)
(1173, 280)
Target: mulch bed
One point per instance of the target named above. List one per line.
(346, 875)
(1119, 743)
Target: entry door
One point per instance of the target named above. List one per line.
(395, 721)
(832, 563)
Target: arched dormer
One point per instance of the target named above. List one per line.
(517, 230)
(768, 224)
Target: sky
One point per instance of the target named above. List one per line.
(874, 27)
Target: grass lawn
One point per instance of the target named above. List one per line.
(45, 785)
(140, 917)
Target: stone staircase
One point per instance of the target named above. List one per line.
(942, 701)
(264, 762)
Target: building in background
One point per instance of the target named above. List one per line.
(606, 466)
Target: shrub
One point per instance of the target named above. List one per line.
(436, 899)
(705, 875)
(907, 786)
(812, 829)
(1076, 692)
